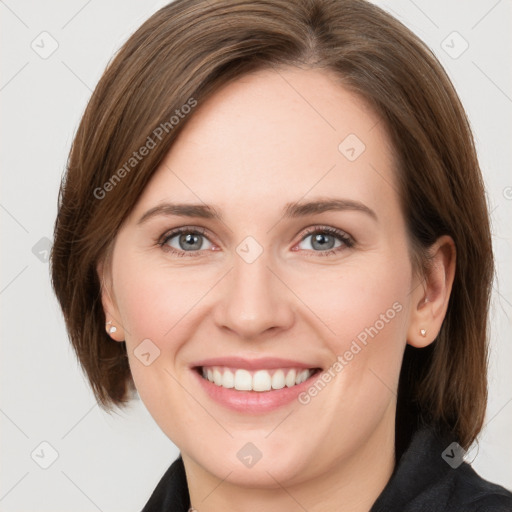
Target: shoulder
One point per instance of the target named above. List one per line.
(461, 490)
(472, 493)
(428, 478)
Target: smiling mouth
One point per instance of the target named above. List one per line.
(255, 380)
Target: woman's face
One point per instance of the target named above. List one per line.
(327, 287)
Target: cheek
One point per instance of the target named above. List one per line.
(363, 308)
(158, 306)
(368, 313)
(361, 300)
(153, 298)
(153, 305)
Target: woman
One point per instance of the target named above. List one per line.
(273, 227)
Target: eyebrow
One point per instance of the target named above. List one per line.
(291, 210)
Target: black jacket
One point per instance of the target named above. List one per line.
(429, 477)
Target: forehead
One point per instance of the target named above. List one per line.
(277, 135)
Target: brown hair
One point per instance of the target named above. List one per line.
(188, 50)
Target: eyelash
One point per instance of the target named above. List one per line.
(348, 242)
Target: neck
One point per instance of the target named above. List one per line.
(350, 485)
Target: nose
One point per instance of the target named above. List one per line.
(253, 302)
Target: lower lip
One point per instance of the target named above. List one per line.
(254, 402)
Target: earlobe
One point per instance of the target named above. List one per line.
(431, 297)
(115, 333)
(113, 323)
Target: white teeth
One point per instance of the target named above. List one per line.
(243, 380)
(259, 380)
(290, 378)
(262, 381)
(217, 377)
(278, 380)
(303, 375)
(228, 379)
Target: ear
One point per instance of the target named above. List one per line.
(113, 324)
(431, 295)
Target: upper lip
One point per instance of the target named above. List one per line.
(262, 363)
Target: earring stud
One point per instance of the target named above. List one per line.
(112, 329)
(423, 332)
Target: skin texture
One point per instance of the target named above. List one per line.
(265, 140)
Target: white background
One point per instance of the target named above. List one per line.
(113, 462)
